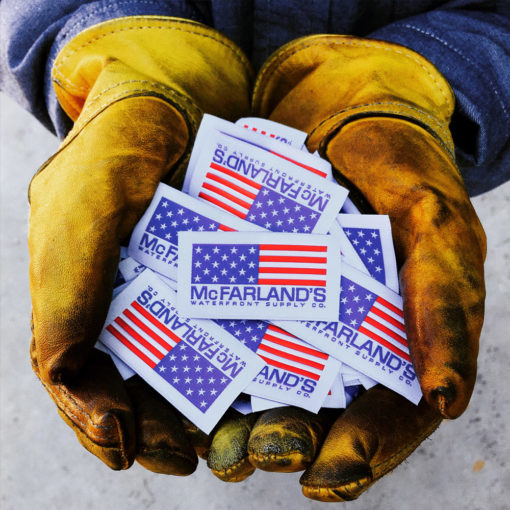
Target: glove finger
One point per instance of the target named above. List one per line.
(228, 455)
(200, 441)
(96, 406)
(439, 240)
(444, 316)
(286, 439)
(161, 443)
(375, 434)
(86, 200)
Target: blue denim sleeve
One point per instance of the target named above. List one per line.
(467, 40)
(471, 48)
(33, 33)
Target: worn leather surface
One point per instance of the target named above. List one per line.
(287, 439)
(136, 89)
(440, 245)
(228, 455)
(97, 408)
(376, 433)
(83, 204)
(320, 82)
(162, 445)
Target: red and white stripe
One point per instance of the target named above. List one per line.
(281, 264)
(285, 351)
(312, 169)
(143, 334)
(229, 190)
(224, 228)
(384, 323)
(260, 131)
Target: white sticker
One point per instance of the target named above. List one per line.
(117, 290)
(349, 207)
(370, 237)
(198, 367)
(252, 275)
(129, 268)
(154, 239)
(369, 333)
(352, 377)
(335, 398)
(295, 373)
(212, 126)
(261, 187)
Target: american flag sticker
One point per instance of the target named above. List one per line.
(347, 250)
(369, 333)
(154, 239)
(370, 239)
(285, 142)
(258, 185)
(295, 373)
(195, 365)
(241, 275)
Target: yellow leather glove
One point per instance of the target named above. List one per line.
(380, 113)
(136, 89)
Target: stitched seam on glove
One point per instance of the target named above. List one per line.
(85, 440)
(147, 449)
(130, 93)
(82, 122)
(233, 467)
(174, 98)
(391, 462)
(277, 456)
(67, 410)
(347, 493)
(347, 489)
(388, 464)
(143, 82)
(64, 408)
(443, 130)
(236, 51)
(285, 54)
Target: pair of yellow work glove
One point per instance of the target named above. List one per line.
(136, 89)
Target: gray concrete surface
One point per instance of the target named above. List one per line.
(465, 465)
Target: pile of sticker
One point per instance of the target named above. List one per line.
(249, 289)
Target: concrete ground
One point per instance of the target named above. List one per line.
(466, 464)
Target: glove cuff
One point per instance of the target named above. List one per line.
(191, 66)
(320, 83)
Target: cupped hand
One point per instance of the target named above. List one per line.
(395, 168)
(379, 113)
(135, 89)
(84, 202)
